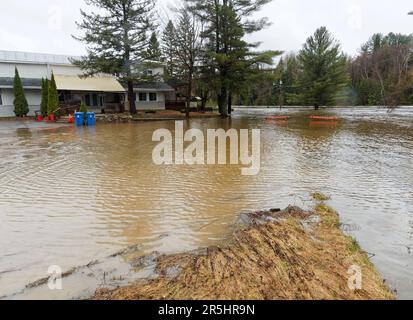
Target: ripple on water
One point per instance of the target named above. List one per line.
(68, 197)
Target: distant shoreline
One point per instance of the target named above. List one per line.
(312, 108)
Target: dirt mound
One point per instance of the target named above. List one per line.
(289, 254)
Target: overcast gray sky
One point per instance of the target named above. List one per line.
(47, 25)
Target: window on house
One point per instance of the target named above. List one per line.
(61, 96)
(149, 72)
(87, 100)
(142, 96)
(153, 96)
(1, 99)
(95, 99)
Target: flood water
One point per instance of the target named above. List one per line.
(69, 196)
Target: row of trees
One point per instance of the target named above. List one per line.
(382, 73)
(321, 74)
(205, 46)
(49, 97)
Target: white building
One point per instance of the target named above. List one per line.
(100, 93)
(151, 95)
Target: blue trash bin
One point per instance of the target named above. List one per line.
(80, 118)
(90, 119)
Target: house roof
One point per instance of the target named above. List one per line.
(31, 57)
(153, 86)
(175, 82)
(28, 83)
(96, 83)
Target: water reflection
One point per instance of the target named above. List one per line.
(24, 133)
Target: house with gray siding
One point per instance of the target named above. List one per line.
(31, 87)
(101, 93)
(152, 95)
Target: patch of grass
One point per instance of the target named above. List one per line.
(320, 197)
(266, 261)
(354, 248)
(328, 215)
(353, 245)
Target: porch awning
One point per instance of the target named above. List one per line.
(97, 83)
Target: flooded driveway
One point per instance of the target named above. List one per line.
(69, 196)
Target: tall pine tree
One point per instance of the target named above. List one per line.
(244, 65)
(323, 69)
(227, 22)
(116, 35)
(169, 47)
(153, 53)
(53, 97)
(188, 53)
(21, 107)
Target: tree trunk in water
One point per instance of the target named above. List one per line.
(131, 98)
(222, 102)
(188, 97)
(204, 99)
(229, 103)
(187, 107)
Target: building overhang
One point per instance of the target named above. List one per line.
(95, 84)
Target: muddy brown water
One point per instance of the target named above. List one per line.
(69, 196)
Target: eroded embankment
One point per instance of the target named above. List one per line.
(291, 254)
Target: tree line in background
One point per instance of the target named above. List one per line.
(204, 47)
(320, 74)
